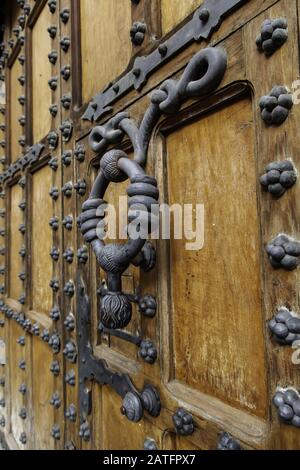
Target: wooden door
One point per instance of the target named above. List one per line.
(185, 341)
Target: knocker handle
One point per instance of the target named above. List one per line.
(115, 258)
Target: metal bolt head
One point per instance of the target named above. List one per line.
(204, 15)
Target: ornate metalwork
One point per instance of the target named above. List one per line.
(35, 330)
(22, 364)
(68, 255)
(22, 205)
(55, 368)
(134, 402)
(70, 352)
(67, 189)
(54, 193)
(53, 109)
(149, 444)
(54, 285)
(226, 442)
(52, 56)
(22, 100)
(52, 139)
(183, 422)
(54, 223)
(21, 340)
(27, 9)
(206, 19)
(30, 157)
(23, 438)
(53, 163)
(147, 349)
(65, 43)
(67, 158)
(137, 33)
(23, 413)
(54, 253)
(69, 289)
(54, 343)
(21, 59)
(21, 80)
(80, 187)
(2, 422)
(53, 82)
(66, 100)
(66, 129)
(55, 400)
(66, 72)
(68, 222)
(285, 327)
(71, 378)
(82, 255)
(284, 252)
(55, 313)
(45, 335)
(52, 30)
(209, 64)
(287, 402)
(276, 106)
(52, 5)
(70, 322)
(84, 431)
(279, 177)
(55, 432)
(71, 413)
(273, 35)
(79, 153)
(65, 15)
(23, 389)
(2, 402)
(22, 228)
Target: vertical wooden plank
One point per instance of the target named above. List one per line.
(281, 288)
(105, 28)
(41, 73)
(15, 242)
(41, 240)
(15, 110)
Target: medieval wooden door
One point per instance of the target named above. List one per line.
(185, 341)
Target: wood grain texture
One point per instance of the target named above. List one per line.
(105, 42)
(15, 111)
(16, 240)
(216, 299)
(174, 11)
(41, 73)
(17, 377)
(41, 240)
(43, 412)
(279, 216)
(118, 431)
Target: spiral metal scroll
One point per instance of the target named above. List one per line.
(202, 75)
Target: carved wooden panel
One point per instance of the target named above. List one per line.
(41, 73)
(105, 42)
(213, 321)
(41, 240)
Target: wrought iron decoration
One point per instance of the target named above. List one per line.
(202, 75)
(115, 166)
(206, 19)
